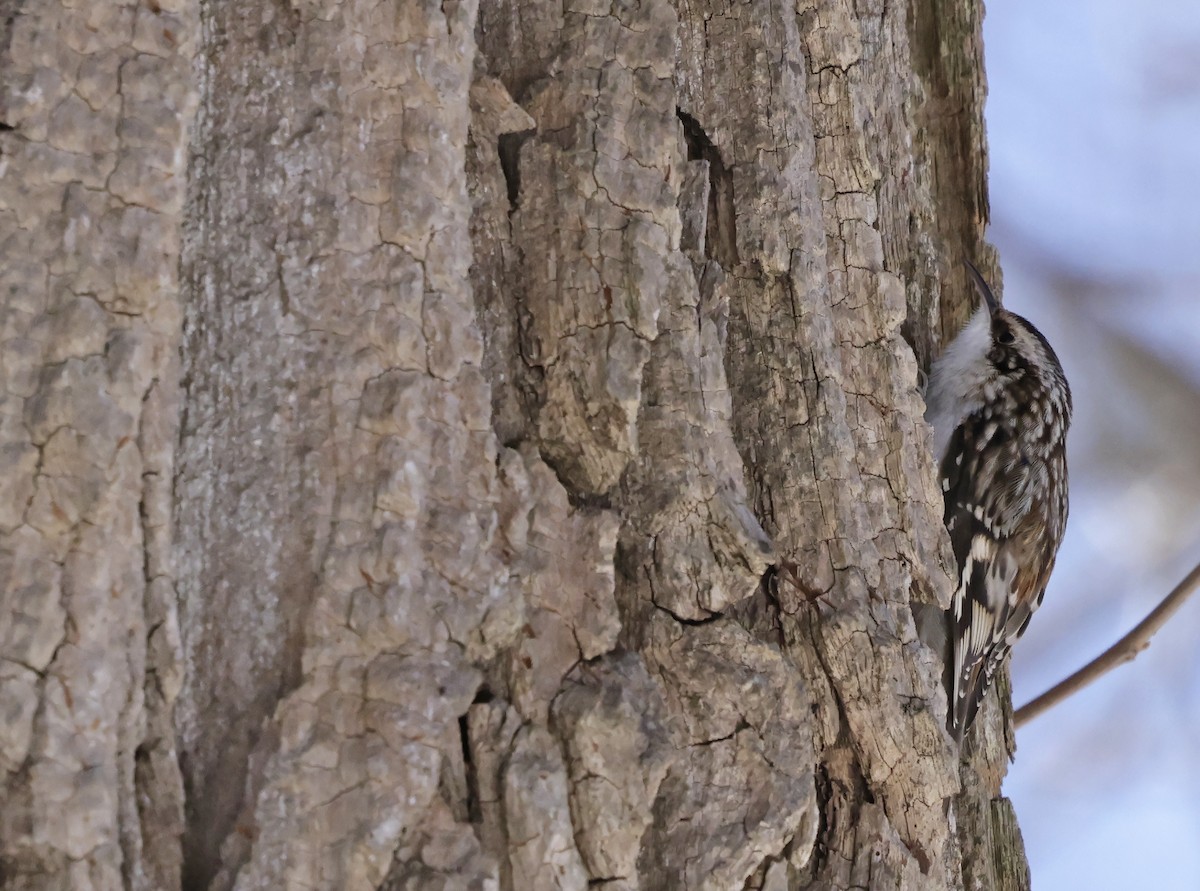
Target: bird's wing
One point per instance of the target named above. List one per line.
(994, 527)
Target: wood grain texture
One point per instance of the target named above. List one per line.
(482, 448)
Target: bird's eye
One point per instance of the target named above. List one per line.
(1005, 337)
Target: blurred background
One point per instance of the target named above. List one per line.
(1094, 128)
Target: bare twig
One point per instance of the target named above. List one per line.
(1124, 650)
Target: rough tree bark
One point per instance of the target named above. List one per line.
(406, 407)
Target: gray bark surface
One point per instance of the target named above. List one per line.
(477, 445)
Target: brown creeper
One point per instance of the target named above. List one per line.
(999, 406)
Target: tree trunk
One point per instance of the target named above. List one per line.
(465, 445)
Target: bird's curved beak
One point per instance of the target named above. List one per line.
(981, 286)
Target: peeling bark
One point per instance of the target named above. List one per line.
(476, 445)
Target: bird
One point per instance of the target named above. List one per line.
(1000, 407)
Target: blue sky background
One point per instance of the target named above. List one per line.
(1094, 129)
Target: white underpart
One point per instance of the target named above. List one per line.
(956, 380)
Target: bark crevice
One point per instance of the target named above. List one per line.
(484, 450)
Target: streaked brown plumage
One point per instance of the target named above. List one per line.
(1000, 407)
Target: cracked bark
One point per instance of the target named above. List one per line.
(406, 408)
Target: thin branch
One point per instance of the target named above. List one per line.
(1124, 650)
